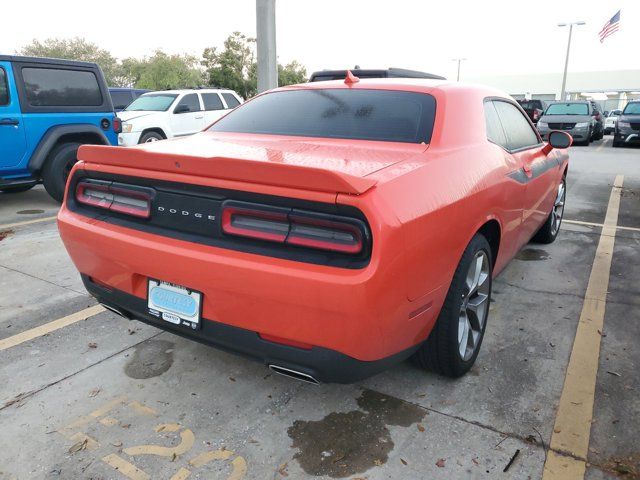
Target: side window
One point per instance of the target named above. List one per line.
(516, 126)
(191, 101)
(495, 133)
(212, 101)
(52, 87)
(4, 88)
(232, 101)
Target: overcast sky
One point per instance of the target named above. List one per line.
(496, 36)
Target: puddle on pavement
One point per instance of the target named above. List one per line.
(532, 254)
(150, 359)
(343, 444)
(29, 212)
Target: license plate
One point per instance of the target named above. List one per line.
(174, 303)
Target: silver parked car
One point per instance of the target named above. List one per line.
(574, 117)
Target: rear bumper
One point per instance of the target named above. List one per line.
(322, 364)
(358, 314)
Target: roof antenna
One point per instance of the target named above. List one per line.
(350, 79)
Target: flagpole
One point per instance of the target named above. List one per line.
(566, 61)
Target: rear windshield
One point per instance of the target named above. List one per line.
(152, 102)
(383, 115)
(52, 87)
(568, 109)
(632, 109)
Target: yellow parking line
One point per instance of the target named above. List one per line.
(601, 146)
(591, 224)
(26, 222)
(50, 327)
(127, 469)
(575, 412)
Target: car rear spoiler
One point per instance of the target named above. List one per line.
(252, 171)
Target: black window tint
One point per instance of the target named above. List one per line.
(517, 128)
(50, 87)
(232, 102)
(383, 115)
(120, 99)
(495, 133)
(4, 88)
(191, 101)
(212, 101)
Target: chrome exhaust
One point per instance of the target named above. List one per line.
(287, 372)
(116, 311)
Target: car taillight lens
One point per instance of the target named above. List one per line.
(304, 229)
(117, 125)
(263, 225)
(325, 235)
(115, 197)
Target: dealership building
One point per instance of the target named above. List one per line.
(611, 90)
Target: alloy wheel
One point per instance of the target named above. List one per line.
(475, 305)
(558, 208)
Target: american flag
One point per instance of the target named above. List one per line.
(610, 27)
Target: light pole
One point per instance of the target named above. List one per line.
(266, 40)
(566, 61)
(459, 60)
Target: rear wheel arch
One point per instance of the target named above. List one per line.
(492, 232)
(62, 134)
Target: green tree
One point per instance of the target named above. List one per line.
(235, 66)
(291, 73)
(77, 49)
(162, 71)
(232, 66)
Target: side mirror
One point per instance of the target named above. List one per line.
(182, 109)
(559, 139)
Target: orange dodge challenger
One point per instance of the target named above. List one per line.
(328, 230)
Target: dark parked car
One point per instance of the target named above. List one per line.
(574, 117)
(628, 125)
(122, 97)
(533, 108)
(324, 75)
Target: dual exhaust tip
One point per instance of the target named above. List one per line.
(287, 372)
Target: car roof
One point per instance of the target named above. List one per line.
(47, 61)
(194, 90)
(421, 85)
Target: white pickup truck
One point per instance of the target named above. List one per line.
(173, 113)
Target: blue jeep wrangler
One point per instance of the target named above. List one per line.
(48, 108)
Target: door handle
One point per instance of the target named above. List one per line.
(199, 117)
(9, 121)
(527, 170)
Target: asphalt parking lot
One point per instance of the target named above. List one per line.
(87, 394)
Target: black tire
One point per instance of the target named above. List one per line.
(18, 189)
(440, 353)
(150, 137)
(551, 227)
(57, 167)
(616, 144)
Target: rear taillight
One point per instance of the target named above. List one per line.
(117, 125)
(295, 227)
(324, 234)
(121, 198)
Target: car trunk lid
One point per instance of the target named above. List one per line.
(325, 165)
